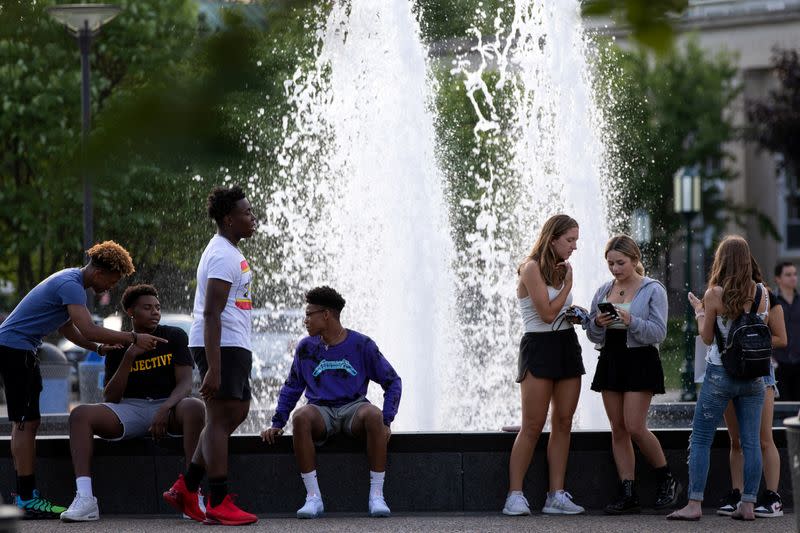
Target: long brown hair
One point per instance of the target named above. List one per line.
(733, 271)
(627, 247)
(543, 253)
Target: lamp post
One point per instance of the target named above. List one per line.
(686, 183)
(640, 226)
(84, 21)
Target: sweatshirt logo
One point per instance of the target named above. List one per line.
(343, 364)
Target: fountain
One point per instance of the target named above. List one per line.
(362, 202)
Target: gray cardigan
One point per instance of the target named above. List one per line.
(648, 315)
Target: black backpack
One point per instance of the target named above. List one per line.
(747, 350)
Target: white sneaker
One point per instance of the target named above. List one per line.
(516, 505)
(82, 509)
(200, 503)
(378, 507)
(313, 508)
(560, 502)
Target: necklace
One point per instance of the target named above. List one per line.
(622, 292)
(335, 341)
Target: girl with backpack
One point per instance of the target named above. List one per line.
(733, 303)
(770, 504)
(629, 368)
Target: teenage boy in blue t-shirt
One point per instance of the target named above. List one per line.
(334, 366)
(57, 303)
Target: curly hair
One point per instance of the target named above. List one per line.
(133, 293)
(222, 201)
(543, 253)
(733, 271)
(326, 297)
(111, 256)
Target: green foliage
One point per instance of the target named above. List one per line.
(649, 21)
(775, 121)
(665, 113)
(41, 211)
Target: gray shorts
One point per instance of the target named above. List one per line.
(136, 415)
(339, 419)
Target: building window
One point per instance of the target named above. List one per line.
(789, 211)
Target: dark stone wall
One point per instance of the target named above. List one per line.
(434, 472)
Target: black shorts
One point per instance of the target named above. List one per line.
(235, 366)
(23, 383)
(623, 369)
(550, 355)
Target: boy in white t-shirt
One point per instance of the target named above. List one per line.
(220, 344)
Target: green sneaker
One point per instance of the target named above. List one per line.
(39, 507)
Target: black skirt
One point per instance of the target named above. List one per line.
(623, 369)
(550, 355)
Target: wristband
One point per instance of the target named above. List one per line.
(699, 315)
(98, 348)
(133, 334)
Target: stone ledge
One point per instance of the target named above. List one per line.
(427, 472)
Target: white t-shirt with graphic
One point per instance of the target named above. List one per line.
(222, 260)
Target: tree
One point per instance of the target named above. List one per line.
(649, 21)
(40, 122)
(775, 122)
(665, 113)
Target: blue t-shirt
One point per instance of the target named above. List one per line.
(43, 310)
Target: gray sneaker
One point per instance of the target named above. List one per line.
(560, 502)
(516, 505)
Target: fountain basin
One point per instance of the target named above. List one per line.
(427, 472)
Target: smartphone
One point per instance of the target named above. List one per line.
(608, 307)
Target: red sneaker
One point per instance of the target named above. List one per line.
(188, 503)
(227, 514)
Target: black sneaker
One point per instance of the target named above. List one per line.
(769, 506)
(667, 493)
(728, 503)
(628, 501)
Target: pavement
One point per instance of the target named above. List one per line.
(430, 523)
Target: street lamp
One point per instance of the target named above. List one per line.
(640, 226)
(84, 22)
(686, 183)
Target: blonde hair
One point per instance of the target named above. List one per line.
(733, 271)
(112, 257)
(543, 253)
(627, 247)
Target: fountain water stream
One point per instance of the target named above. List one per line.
(362, 203)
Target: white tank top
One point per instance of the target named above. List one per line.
(712, 352)
(531, 320)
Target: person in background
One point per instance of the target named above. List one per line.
(787, 373)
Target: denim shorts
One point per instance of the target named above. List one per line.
(770, 381)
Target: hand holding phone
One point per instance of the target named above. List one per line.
(608, 307)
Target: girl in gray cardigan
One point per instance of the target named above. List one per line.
(629, 369)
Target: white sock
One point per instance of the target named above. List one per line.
(376, 484)
(310, 481)
(84, 484)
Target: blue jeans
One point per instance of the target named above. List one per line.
(748, 396)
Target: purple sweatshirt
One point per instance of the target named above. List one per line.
(338, 375)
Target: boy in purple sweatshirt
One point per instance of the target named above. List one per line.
(334, 366)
